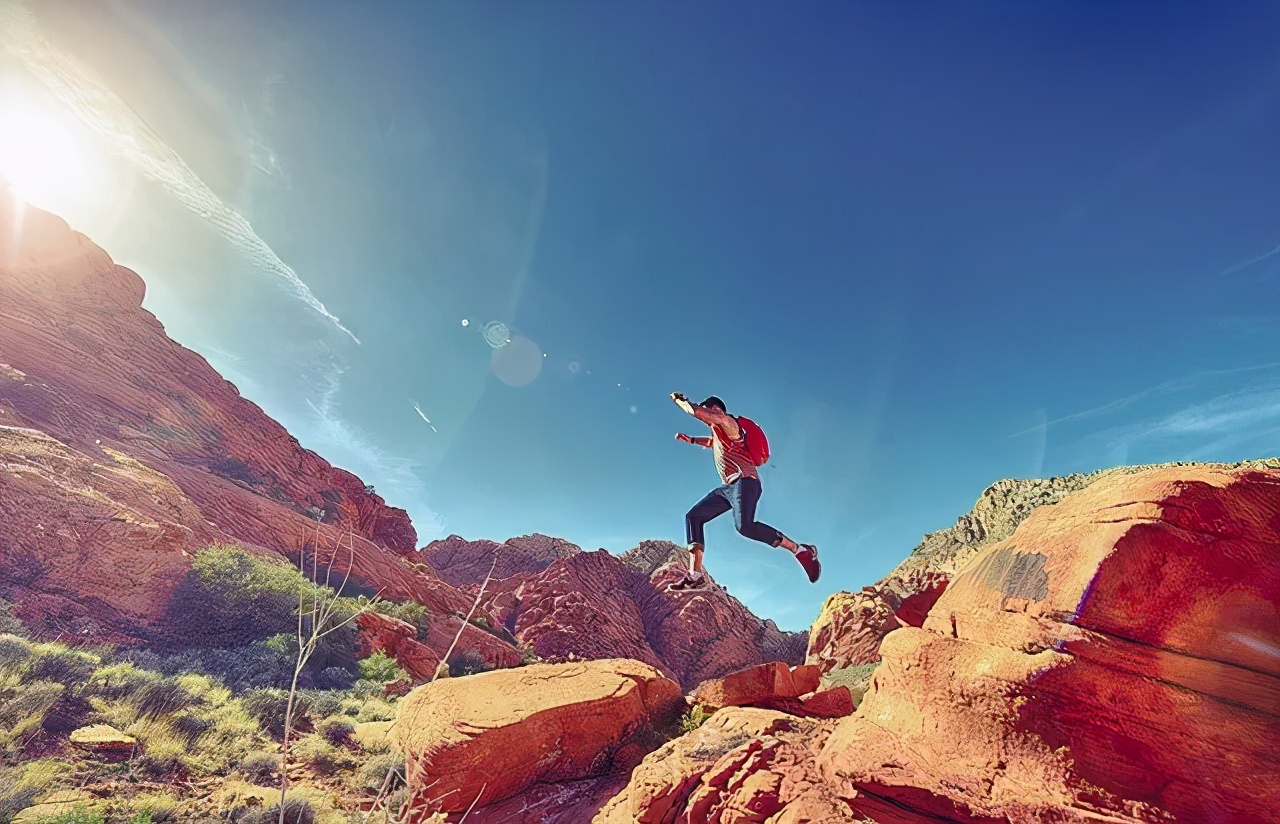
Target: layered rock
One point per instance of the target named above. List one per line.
(462, 563)
(163, 454)
(474, 742)
(775, 686)
(585, 605)
(741, 765)
(1113, 660)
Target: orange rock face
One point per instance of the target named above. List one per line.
(741, 765)
(775, 686)
(152, 454)
(1117, 654)
(479, 740)
(851, 625)
(565, 603)
(1116, 659)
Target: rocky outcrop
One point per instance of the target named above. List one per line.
(474, 742)
(848, 630)
(399, 640)
(586, 605)
(462, 563)
(147, 454)
(1114, 659)
(741, 765)
(775, 686)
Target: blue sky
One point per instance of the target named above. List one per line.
(926, 246)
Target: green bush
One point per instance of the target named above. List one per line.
(373, 773)
(337, 731)
(693, 719)
(162, 698)
(381, 668)
(10, 625)
(323, 758)
(22, 711)
(231, 598)
(270, 706)
(322, 704)
(296, 811)
(259, 767)
(14, 653)
(60, 665)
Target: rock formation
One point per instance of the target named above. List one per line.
(473, 742)
(565, 603)
(1114, 659)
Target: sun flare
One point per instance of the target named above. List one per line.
(40, 155)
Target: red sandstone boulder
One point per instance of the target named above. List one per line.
(849, 628)
(478, 740)
(741, 765)
(1110, 656)
(397, 639)
(775, 686)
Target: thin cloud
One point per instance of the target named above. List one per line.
(1174, 385)
(1240, 266)
(75, 86)
(423, 415)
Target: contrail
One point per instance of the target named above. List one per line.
(1249, 263)
(423, 415)
(128, 135)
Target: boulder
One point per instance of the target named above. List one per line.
(1114, 657)
(741, 765)
(775, 686)
(478, 740)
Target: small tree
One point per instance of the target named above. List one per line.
(318, 616)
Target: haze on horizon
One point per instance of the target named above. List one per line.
(927, 247)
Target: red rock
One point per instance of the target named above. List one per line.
(741, 765)
(135, 416)
(774, 686)
(832, 703)
(397, 639)
(485, 738)
(1111, 655)
(851, 625)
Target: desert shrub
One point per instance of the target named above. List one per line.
(119, 680)
(191, 726)
(693, 719)
(67, 714)
(22, 710)
(296, 811)
(259, 767)
(9, 624)
(336, 731)
(336, 678)
(269, 706)
(467, 662)
(143, 659)
(79, 815)
(16, 793)
(162, 698)
(373, 773)
(322, 704)
(14, 652)
(364, 689)
(381, 668)
(162, 759)
(152, 808)
(321, 756)
(51, 662)
(254, 666)
(231, 598)
(857, 678)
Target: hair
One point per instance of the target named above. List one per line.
(714, 401)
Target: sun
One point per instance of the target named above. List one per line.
(40, 156)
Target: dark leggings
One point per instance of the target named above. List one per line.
(741, 496)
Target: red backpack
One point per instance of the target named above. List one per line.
(757, 443)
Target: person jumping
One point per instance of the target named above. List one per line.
(740, 492)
